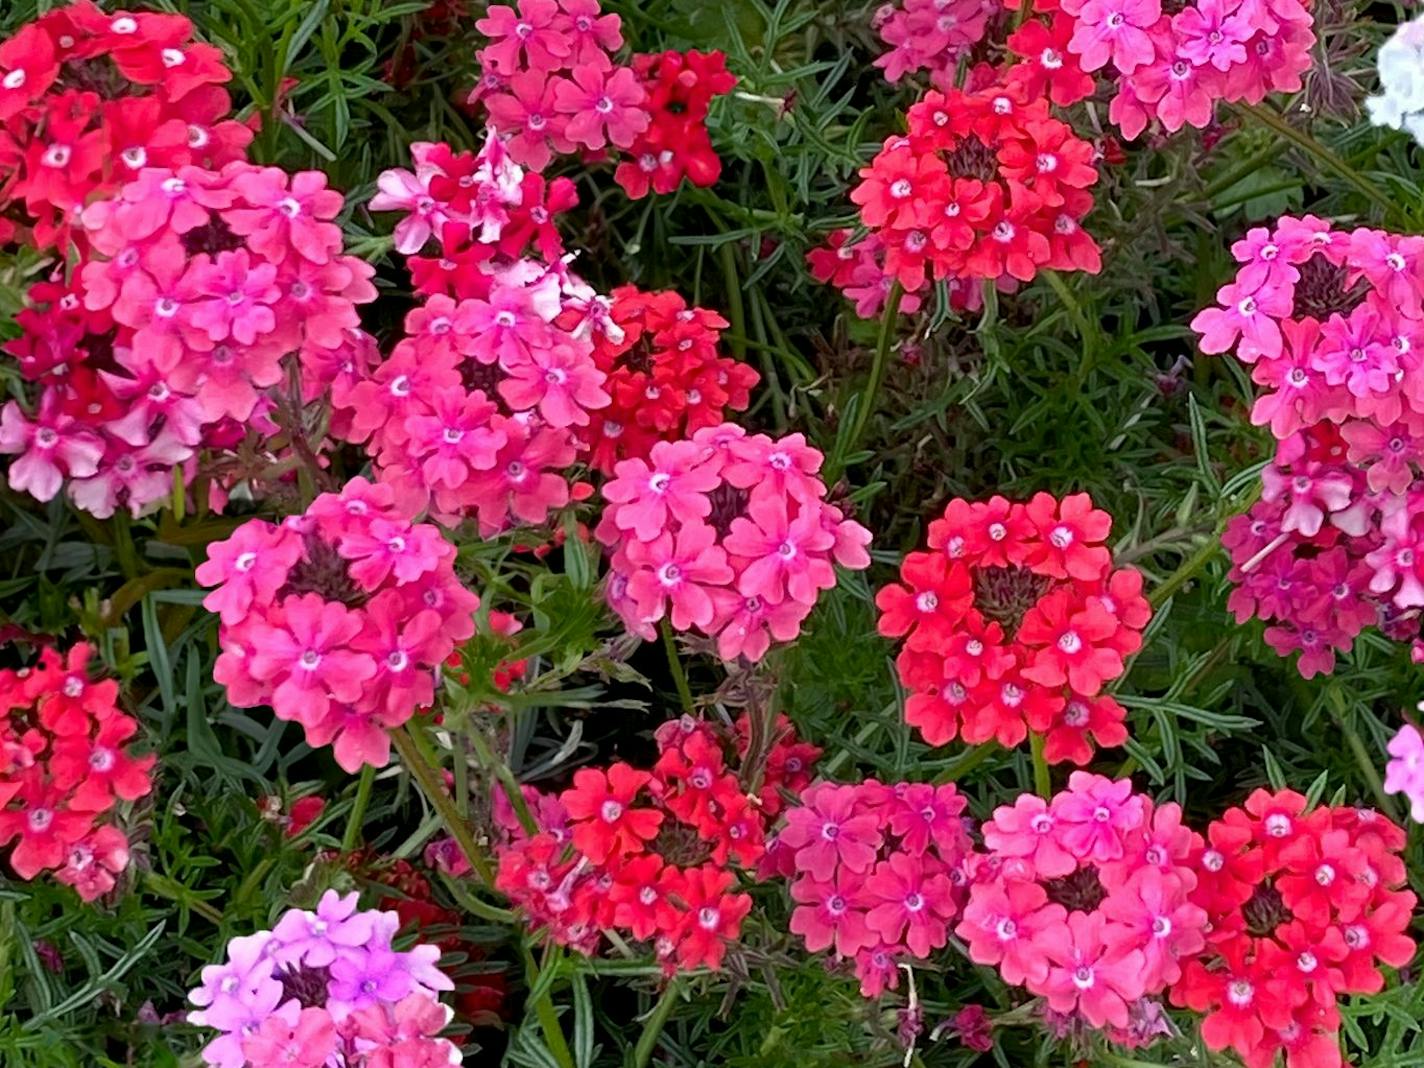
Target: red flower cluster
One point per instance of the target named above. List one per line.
(680, 87)
(1303, 907)
(88, 99)
(665, 376)
(986, 184)
(1014, 621)
(651, 854)
(65, 761)
(877, 872)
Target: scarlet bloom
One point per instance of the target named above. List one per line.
(713, 916)
(605, 823)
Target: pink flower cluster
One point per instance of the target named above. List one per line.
(1331, 324)
(64, 144)
(66, 760)
(1014, 621)
(1084, 900)
(202, 292)
(339, 619)
(325, 989)
(877, 872)
(726, 533)
(1171, 67)
(651, 854)
(551, 86)
(930, 35)
(1404, 773)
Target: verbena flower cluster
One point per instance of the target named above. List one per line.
(203, 297)
(1304, 905)
(1400, 104)
(550, 84)
(1084, 900)
(1404, 772)
(325, 989)
(726, 533)
(66, 762)
(90, 98)
(1014, 621)
(931, 36)
(1329, 321)
(339, 619)
(984, 185)
(877, 872)
(652, 855)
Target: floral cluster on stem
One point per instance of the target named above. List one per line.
(877, 872)
(1084, 899)
(727, 534)
(930, 36)
(1331, 324)
(66, 763)
(652, 855)
(1013, 621)
(89, 99)
(551, 85)
(1303, 907)
(339, 619)
(325, 989)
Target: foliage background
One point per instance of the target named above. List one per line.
(1072, 383)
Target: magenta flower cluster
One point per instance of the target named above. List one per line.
(325, 989)
(205, 288)
(1331, 324)
(727, 533)
(1083, 900)
(877, 872)
(930, 35)
(339, 619)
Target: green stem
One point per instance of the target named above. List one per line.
(735, 310)
(501, 771)
(1335, 699)
(358, 810)
(653, 1027)
(546, 1014)
(679, 676)
(428, 779)
(181, 895)
(1070, 303)
(877, 371)
(965, 764)
(1328, 159)
(1042, 780)
(1189, 569)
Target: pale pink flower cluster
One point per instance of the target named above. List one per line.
(1331, 323)
(1174, 68)
(339, 619)
(475, 412)
(877, 871)
(930, 35)
(1404, 773)
(205, 290)
(726, 533)
(1083, 900)
(325, 989)
(549, 81)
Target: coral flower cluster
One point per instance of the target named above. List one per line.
(1085, 900)
(550, 84)
(66, 762)
(726, 533)
(339, 619)
(89, 98)
(652, 854)
(1331, 323)
(204, 296)
(983, 185)
(325, 989)
(877, 872)
(1014, 621)
(1304, 906)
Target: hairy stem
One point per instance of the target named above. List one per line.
(428, 779)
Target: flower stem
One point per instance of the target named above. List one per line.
(877, 372)
(736, 312)
(358, 809)
(1335, 700)
(653, 1027)
(501, 771)
(1328, 159)
(428, 779)
(1188, 570)
(1042, 780)
(684, 692)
